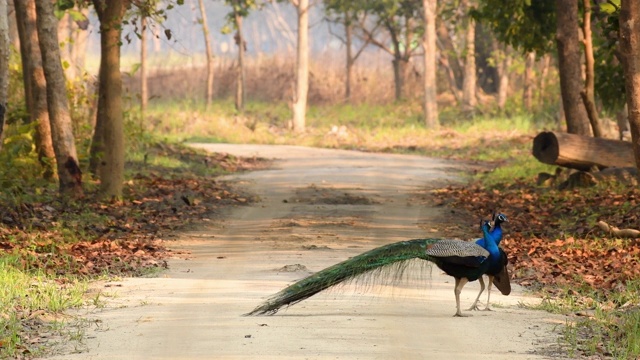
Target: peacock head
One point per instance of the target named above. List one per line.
(485, 226)
(499, 219)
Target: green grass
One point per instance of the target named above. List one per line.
(31, 297)
(504, 142)
(612, 327)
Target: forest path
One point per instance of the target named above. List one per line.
(317, 207)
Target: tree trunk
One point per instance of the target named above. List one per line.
(209, 53)
(399, 69)
(588, 97)
(430, 64)
(448, 54)
(504, 65)
(240, 70)
(630, 51)
(581, 152)
(35, 84)
(80, 41)
(469, 100)
(144, 90)
(69, 174)
(349, 63)
(569, 61)
(65, 31)
(302, 67)
(109, 132)
(546, 63)
(527, 90)
(4, 64)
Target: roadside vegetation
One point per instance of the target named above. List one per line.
(52, 249)
(555, 247)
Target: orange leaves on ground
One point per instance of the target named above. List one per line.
(123, 237)
(549, 238)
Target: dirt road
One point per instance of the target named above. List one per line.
(317, 207)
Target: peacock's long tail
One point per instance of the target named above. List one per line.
(376, 259)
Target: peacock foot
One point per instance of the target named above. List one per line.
(459, 314)
(474, 307)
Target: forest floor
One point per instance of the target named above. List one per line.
(311, 209)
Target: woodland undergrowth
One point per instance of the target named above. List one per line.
(51, 243)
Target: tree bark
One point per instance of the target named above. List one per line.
(448, 55)
(302, 67)
(430, 64)
(630, 53)
(348, 29)
(544, 72)
(504, 64)
(80, 41)
(399, 71)
(35, 84)
(108, 153)
(469, 100)
(209, 54)
(527, 90)
(588, 97)
(144, 90)
(65, 31)
(239, 38)
(4, 64)
(581, 152)
(569, 60)
(69, 174)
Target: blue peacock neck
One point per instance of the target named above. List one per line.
(490, 242)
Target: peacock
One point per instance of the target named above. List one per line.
(497, 272)
(464, 260)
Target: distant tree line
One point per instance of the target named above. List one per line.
(453, 37)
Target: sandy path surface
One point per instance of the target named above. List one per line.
(317, 207)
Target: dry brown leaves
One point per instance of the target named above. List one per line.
(549, 238)
(92, 237)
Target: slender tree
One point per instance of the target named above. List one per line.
(469, 82)
(239, 10)
(569, 57)
(503, 64)
(69, 174)
(348, 42)
(35, 84)
(209, 53)
(527, 90)
(429, 8)
(144, 89)
(4, 63)
(390, 25)
(588, 93)
(630, 53)
(448, 59)
(242, 47)
(107, 148)
(346, 13)
(302, 66)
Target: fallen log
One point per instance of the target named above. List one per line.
(582, 152)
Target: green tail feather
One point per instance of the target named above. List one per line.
(375, 259)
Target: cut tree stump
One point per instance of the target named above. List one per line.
(582, 152)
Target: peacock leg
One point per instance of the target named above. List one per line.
(489, 293)
(475, 303)
(460, 283)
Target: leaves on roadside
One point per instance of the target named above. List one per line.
(552, 238)
(126, 237)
